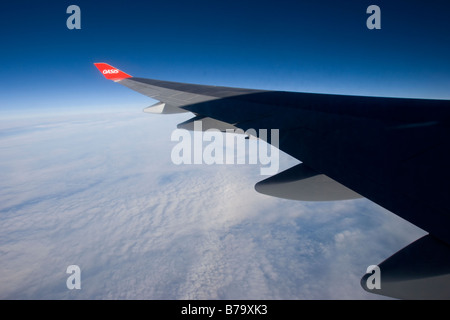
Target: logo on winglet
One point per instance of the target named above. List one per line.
(110, 71)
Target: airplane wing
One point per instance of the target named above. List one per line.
(393, 151)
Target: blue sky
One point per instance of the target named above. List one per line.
(312, 46)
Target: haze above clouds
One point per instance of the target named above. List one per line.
(100, 191)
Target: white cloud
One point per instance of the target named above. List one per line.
(101, 192)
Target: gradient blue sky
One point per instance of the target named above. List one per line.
(311, 46)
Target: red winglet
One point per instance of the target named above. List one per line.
(110, 72)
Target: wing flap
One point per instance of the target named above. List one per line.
(163, 108)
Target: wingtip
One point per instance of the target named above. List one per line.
(110, 72)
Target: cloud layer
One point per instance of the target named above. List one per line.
(100, 191)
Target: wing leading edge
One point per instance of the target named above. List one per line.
(393, 151)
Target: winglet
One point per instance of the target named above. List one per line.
(110, 72)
